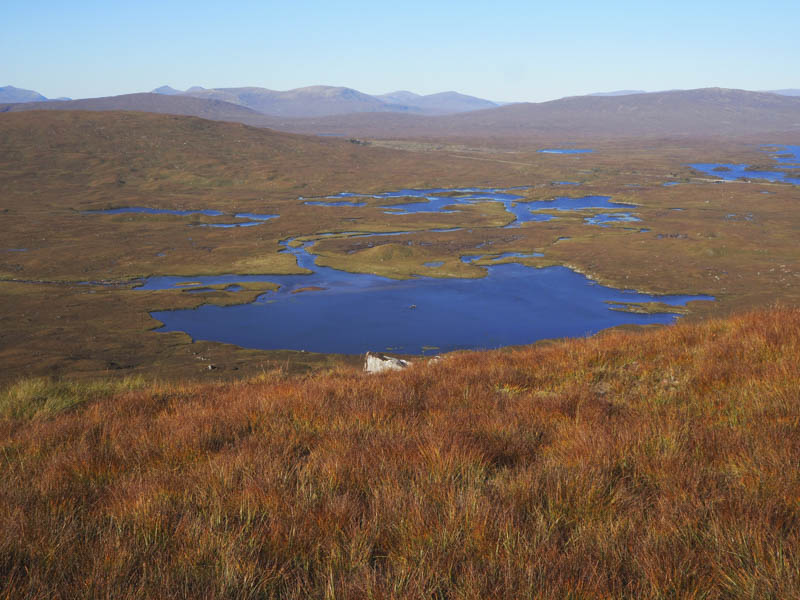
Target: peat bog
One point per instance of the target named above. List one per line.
(128, 199)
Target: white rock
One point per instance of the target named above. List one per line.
(376, 363)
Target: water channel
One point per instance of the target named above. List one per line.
(329, 310)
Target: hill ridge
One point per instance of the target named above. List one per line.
(704, 111)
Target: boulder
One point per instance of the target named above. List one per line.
(376, 363)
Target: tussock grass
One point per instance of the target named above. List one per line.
(655, 465)
(42, 396)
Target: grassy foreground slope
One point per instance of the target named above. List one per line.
(650, 465)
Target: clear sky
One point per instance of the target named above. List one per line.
(501, 50)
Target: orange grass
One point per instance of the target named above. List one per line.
(661, 464)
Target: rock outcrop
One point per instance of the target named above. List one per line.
(376, 363)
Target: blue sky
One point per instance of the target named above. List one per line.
(502, 50)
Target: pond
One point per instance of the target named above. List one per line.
(604, 219)
(787, 157)
(452, 200)
(342, 312)
(351, 313)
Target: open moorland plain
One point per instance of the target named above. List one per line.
(71, 278)
(643, 462)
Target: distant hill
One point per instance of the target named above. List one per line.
(166, 90)
(214, 110)
(320, 101)
(786, 92)
(314, 101)
(442, 103)
(789, 92)
(400, 97)
(10, 93)
(708, 111)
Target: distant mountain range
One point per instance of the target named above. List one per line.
(320, 101)
(707, 111)
(629, 92)
(10, 93)
(214, 110)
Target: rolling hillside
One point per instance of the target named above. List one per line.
(621, 466)
(215, 110)
(703, 112)
(711, 111)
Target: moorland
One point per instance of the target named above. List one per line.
(641, 462)
(70, 306)
(627, 465)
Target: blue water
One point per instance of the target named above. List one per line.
(452, 200)
(512, 305)
(566, 183)
(468, 258)
(793, 160)
(231, 225)
(670, 183)
(355, 312)
(735, 171)
(566, 151)
(334, 203)
(432, 200)
(255, 216)
(537, 217)
(438, 204)
(567, 203)
(604, 219)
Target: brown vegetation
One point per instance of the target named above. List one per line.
(736, 241)
(652, 465)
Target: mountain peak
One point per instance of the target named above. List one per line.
(11, 94)
(166, 90)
